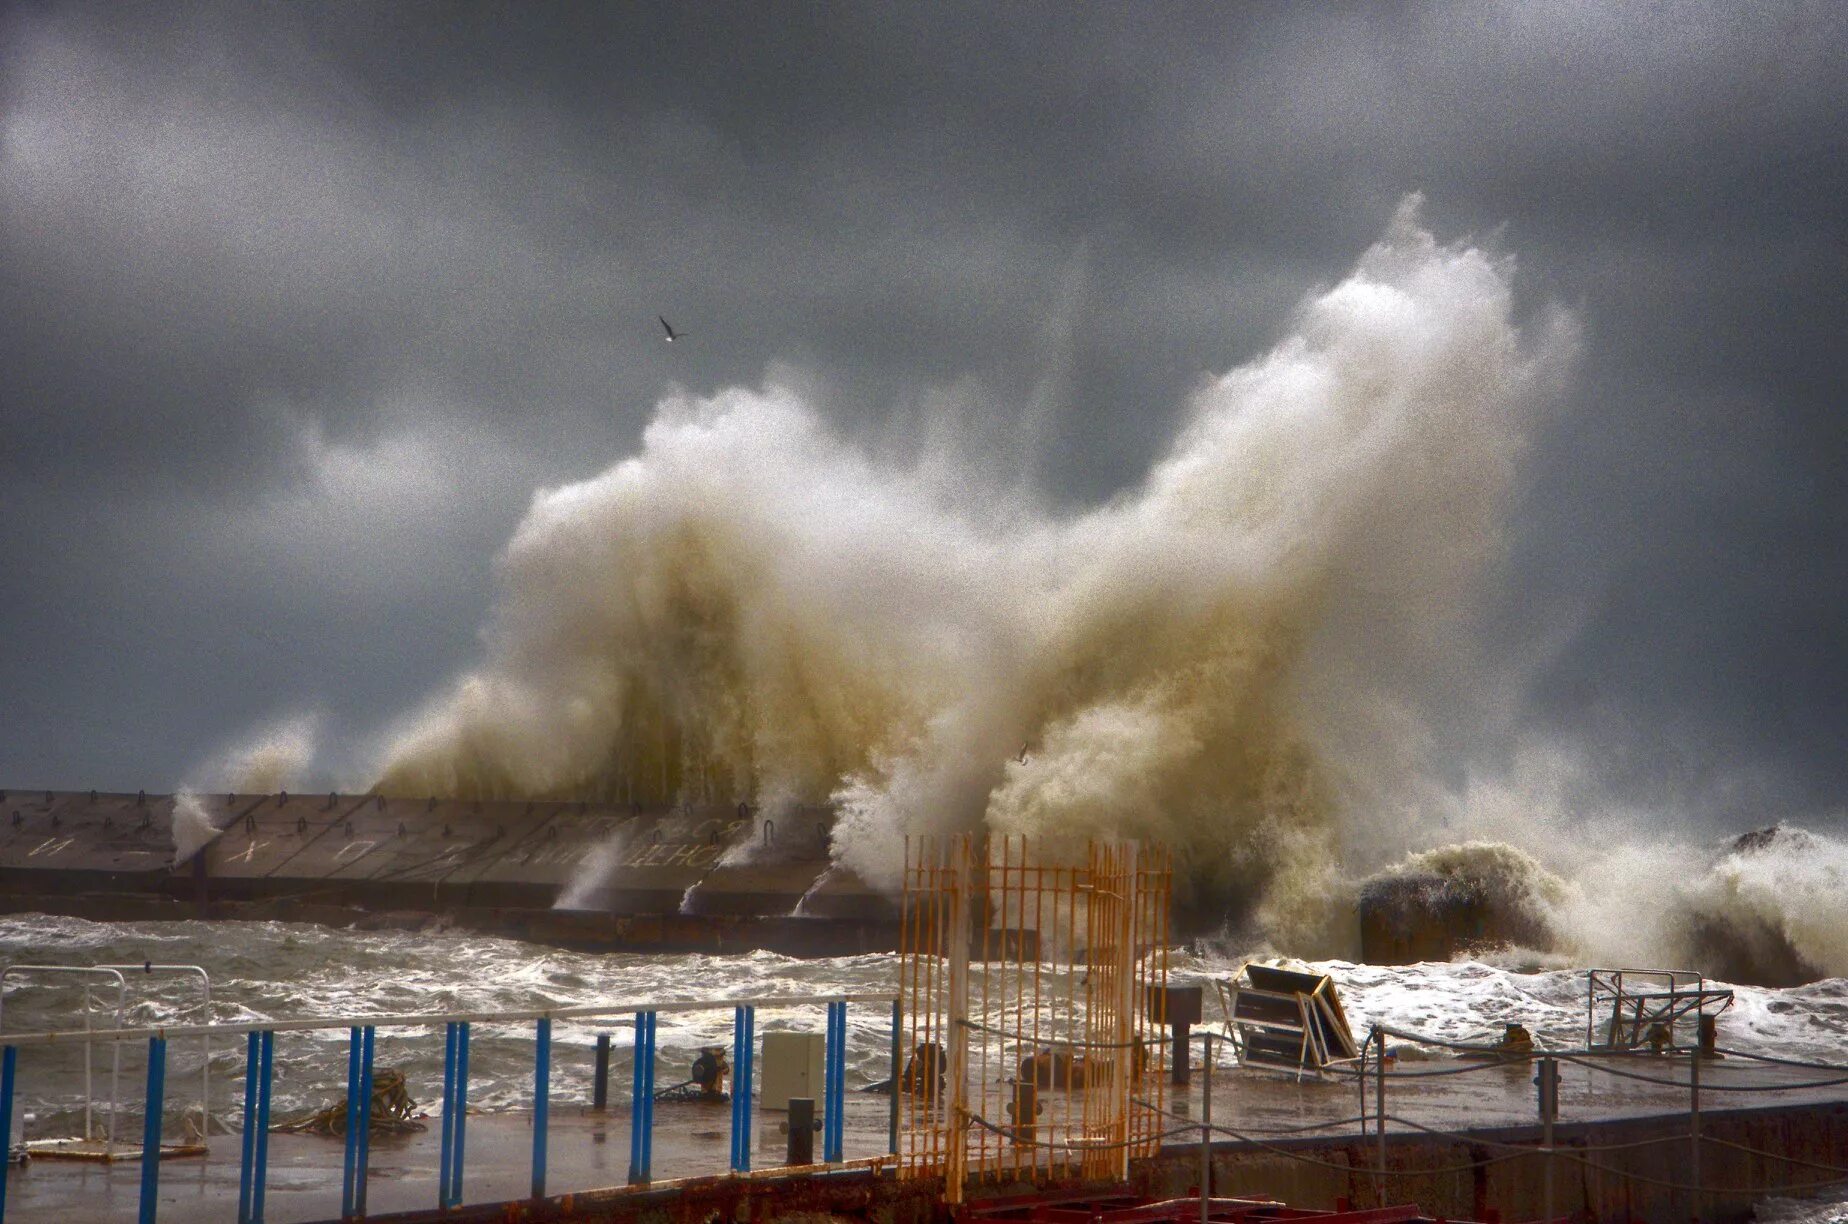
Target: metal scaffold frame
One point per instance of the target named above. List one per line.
(1032, 982)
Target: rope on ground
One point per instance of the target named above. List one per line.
(1705, 1086)
(391, 1110)
(1782, 1062)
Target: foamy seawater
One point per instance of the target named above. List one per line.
(275, 970)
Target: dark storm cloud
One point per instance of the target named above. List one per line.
(301, 302)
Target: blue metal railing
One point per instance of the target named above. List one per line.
(361, 1035)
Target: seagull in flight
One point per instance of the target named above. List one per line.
(672, 335)
(1022, 758)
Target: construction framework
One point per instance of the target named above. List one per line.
(1032, 981)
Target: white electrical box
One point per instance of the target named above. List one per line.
(792, 1067)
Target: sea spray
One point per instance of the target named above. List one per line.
(754, 605)
(193, 828)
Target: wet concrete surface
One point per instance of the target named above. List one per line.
(588, 1150)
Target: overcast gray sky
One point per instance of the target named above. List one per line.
(298, 304)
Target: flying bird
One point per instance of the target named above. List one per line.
(1022, 758)
(672, 335)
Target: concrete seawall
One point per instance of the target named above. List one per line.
(710, 877)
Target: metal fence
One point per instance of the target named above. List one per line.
(260, 1038)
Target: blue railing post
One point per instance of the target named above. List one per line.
(454, 1189)
(150, 1130)
(744, 1026)
(350, 1158)
(641, 1107)
(362, 1164)
(898, 1055)
(267, 1060)
(449, 1115)
(542, 1101)
(247, 1166)
(8, 1060)
(833, 1129)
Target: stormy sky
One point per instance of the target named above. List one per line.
(299, 304)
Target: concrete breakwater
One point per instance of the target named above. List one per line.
(586, 875)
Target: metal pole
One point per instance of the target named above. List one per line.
(600, 1085)
(1549, 1106)
(654, 1022)
(835, 1084)
(455, 1168)
(1694, 1128)
(267, 1061)
(150, 1131)
(247, 1165)
(8, 1059)
(364, 1161)
(542, 1101)
(638, 1105)
(898, 1042)
(1379, 1093)
(1206, 1126)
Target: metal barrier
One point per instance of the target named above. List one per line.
(260, 1062)
(1371, 1066)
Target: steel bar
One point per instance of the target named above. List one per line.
(266, 1065)
(247, 1162)
(600, 1081)
(363, 1160)
(150, 1128)
(455, 1167)
(542, 1102)
(898, 1042)
(8, 1064)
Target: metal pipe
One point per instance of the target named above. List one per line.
(1694, 1129)
(8, 1058)
(600, 1085)
(247, 1155)
(898, 1040)
(362, 1165)
(1206, 1126)
(268, 1058)
(542, 1102)
(638, 1103)
(455, 1168)
(1379, 1092)
(834, 1083)
(150, 1128)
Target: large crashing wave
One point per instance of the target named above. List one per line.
(753, 607)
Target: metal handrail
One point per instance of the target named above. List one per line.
(361, 1028)
(414, 1020)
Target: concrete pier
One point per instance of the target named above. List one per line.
(693, 878)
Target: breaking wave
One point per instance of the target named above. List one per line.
(754, 607)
